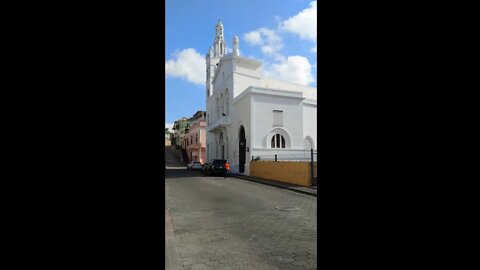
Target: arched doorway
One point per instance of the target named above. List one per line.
(242, 142)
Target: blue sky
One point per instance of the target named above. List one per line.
(281, 34)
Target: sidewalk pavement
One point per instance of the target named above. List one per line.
(307, 190)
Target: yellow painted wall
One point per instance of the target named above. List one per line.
(288, 172)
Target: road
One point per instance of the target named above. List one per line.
(213, 223)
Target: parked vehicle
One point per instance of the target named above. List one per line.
(206, 168)
(194, 165)
(216, 168)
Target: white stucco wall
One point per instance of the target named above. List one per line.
(252, 99)
(310, 121)
(263, 119)
(246, 74)
(241, 116)
(248, 69)
(223, 74)
(308, 92)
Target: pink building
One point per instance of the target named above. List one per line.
(196, 138)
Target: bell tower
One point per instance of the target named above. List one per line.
(219, 44)
(216, 52)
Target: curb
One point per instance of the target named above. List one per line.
(172, 260)
(271, 183)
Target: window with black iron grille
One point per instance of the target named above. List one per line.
(278, 141)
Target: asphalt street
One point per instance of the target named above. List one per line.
(213, 223)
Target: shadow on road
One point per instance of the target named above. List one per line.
(182, 173)
(187, 174)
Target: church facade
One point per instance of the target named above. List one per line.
(250, 115)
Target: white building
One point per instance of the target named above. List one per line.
(252, 115)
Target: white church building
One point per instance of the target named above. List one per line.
(252, 115)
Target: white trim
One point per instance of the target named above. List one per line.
(277, 149)
(277, 92)
(247, 75)
(289, 82)
(310, 102)
(268, 92)
(242, 95)
(248, 62)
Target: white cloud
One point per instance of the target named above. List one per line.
(304, 23)
(253, 38)
(268, 39)
(295, 69)
(169, 126)
(187, 64)
(268, 49)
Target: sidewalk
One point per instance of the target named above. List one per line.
(172, 160)
(310, 191)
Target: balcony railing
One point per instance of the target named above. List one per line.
(222, 121)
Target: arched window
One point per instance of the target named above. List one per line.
(218, 109)
(307, 143)
(226, 102)
(217, 115)
(278, 141)
(222, 105)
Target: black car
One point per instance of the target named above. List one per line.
(217, 167)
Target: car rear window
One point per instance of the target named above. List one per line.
(218, 162)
